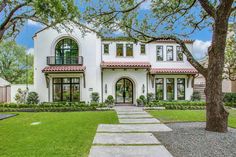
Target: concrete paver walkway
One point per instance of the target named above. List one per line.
(131, 138)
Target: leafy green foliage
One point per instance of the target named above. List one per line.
(33, 98)
(230, 97)
(15, 63)
(230, 54)
(196, 96)
(150, 97)
(95, 97)
(110, 100)
(15, 13)
(20, 96)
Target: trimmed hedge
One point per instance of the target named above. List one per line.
(180, 103)
(230, 97)
(51, 107)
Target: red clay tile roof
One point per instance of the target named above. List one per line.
(64, 68)
(173, 71)
(114, 65)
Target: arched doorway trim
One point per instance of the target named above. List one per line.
(124, 91)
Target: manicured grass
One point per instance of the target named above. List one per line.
(68, 134)
(188, 116)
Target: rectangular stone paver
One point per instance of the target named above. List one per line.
(131, 113)
(139, 120)
(135, 116)
(129, 151)
(125, 138)
(132, 128)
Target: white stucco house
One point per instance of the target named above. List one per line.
(70, 66)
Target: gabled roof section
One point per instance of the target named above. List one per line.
(4, 82)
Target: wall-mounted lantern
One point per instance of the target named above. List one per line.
(143, 88)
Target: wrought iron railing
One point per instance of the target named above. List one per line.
(61, 60)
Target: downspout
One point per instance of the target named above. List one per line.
(101, 74)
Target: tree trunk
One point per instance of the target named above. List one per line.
(217, 116)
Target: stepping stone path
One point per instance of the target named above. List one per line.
(131, 138)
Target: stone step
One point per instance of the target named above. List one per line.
(125, 138)
(129, 151)
(135, 116)
(139, 120)
(130, 113)
(132, 128)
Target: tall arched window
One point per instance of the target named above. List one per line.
(66, 51)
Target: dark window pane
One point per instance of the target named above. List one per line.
(159, 89)
(143, 48)
(57, 80)
(75, 92)
(106, 48)
(169, 53)
(159, 53)
(66, 52)
(66, 80)
(119, 49)
(179, 53)
(75, 80)
(170, 89)
(181, 88)
(57, 92)
(129, 49)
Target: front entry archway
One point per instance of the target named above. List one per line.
(124, 91)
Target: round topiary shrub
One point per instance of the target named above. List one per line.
(32, 98)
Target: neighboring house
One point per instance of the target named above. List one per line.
(5, 91)
(228, 86)
(70, 66)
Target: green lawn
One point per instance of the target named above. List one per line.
(188, 116)
(68, 134)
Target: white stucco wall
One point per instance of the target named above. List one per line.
(137, 77)
(89, 48)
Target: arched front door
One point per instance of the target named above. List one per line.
(124, 91)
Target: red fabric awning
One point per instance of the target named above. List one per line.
(173, 71)
(121, 65)
(62, 68)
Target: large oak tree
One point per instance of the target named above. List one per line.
(164, 19)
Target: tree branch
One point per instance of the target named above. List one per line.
(206, 5)
(11, 14)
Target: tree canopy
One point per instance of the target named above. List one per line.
(15, 64)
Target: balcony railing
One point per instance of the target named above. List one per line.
(58, 60)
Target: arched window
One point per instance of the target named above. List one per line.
(66, 51)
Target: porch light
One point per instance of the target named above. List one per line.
(143, 88)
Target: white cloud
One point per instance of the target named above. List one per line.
(30, 51)
(200, 48)
(33, 23)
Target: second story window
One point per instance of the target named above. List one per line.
(179, 54)
(169, 53)
(159, 53)
(119, 50)
(66, 52)
(106, 48)
(142, 48)
(129, 49)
